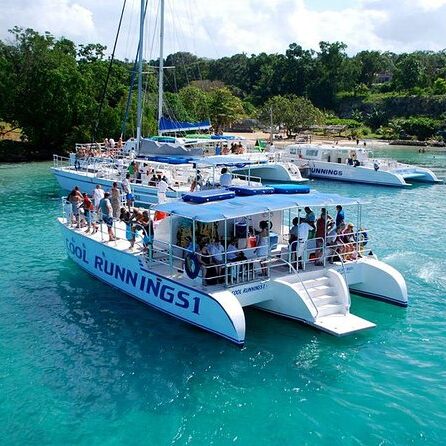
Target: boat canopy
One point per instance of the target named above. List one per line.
(229, 160)
(253, 205)
(167, 125)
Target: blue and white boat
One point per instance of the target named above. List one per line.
(354, 165)
(202, 264)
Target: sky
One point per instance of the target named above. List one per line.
(217, 28)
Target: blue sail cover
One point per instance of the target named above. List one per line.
(169, 125)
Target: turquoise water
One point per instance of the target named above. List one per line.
(80, 363)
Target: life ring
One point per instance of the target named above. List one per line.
(192, 265)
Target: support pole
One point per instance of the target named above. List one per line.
(161, 66)
(140, 66)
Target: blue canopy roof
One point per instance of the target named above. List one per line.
(169, 125)
(252, 205)
(229, 160)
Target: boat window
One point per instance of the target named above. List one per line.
(311, 152)
(339, 160)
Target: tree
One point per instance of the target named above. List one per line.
(370, 64)
(292, 113)
(224, 108)
(196, 102)
(439, 86)
(409, 72)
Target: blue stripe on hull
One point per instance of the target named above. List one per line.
(235, 341)
(345, 180)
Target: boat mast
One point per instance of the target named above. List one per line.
(271, 125)
(161, 66)
(140, 60)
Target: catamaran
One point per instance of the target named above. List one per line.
(201, 262)
(354, 165)
(204, 257)
(182, 174)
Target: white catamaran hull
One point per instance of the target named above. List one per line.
(317, 298)
(271, 172)
(88, 181)
(128, 273)
(344, 172)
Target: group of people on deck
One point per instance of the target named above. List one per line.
(88, 210)
(106, 206)
(212, 254)
(336, 235)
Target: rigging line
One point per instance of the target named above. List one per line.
(130, 34)
(149, 56)
(108, 73)
(132, 84)
(179, 29)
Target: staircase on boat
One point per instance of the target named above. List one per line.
(319, 298)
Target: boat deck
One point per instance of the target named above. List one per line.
(173, 268)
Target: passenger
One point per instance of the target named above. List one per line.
(348, 238)
(376, 165)
(233, 253)
(298, 239)
(263, 244)
(147, 225)
(225, 178)
(132, 169)
(310, 218)
(208, 269)
(163, 187)
(340, 217)
(75, 198)
(293, 239)
(216, 250)
(89, 214)
(107, 214)
(115, 199)
(126, 187)
(98, 195)
(154, 180)
(323, 226)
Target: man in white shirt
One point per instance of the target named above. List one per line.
(225, 178)
(127, 189)
(298, 239)
(98, 195)
(163, 187)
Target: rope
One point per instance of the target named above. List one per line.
(132, 84)
(108, 73)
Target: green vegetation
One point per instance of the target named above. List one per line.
(51, 90)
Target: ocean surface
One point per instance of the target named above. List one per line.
(81, 363)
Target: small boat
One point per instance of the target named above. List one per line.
(201, 260)
(354, 165)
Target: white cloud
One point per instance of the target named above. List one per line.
(60, 17)
(215, 28)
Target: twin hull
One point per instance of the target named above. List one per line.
(345, 172)
(221, 312)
